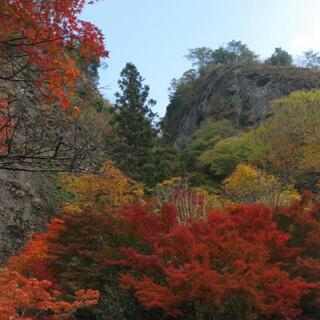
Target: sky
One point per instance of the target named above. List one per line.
(155, 35)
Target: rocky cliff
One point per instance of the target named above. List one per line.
(240, 93)
(27, 202)
(29, 198)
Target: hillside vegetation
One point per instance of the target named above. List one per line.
(107, 213)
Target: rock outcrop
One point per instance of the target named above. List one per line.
(240, 93)
(26, 205)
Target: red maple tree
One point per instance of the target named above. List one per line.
(231, 266)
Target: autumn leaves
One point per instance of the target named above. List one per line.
(141, 251)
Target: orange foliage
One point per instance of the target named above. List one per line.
(29, 298)
(43, 35)
(34, 259)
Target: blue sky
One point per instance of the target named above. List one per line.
(156, 34)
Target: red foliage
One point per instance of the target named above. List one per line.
(302, 222)
(71, 251)
(239, 256)
(28, 286)
(43, 36)
(251, 262)
(29, 298)
(35, 258)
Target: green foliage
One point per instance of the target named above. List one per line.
(228, 153)
(52, 189)
(134, 134)
(133, 115)
(223, 56)
(204, 180)
(134, 144)
(99, 103)
(179, 87)
(234, 51)
(164, 162)
(205, 138)
(200, 57)
(210, 133)
(182, 93)
(280, 57)
(239, 52)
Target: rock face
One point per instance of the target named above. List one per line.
(24, 207)
(240, 93)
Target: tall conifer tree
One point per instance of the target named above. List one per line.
(133, 121)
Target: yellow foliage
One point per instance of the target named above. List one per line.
(109, 188)
(289, 196)
(250, 185)
(215, 201)
(293, 134)
(170, 182)
(71, 208)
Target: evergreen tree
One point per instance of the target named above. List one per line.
(133, 119)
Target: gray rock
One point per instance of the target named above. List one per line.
(240, 93)
(24, 207)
